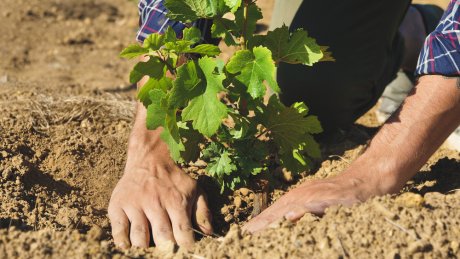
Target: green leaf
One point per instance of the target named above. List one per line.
(154, 41)
(188, 84)
(133, 51)
(156, 111)
(152, 68)
(254, 67)
(233, 4)
(254, 14)
(223, 28)
(206, 111)
(192, 140)
(170, 35)
(221, 165)
(191, 10)
(192, 34)
(290, 129)
(205, 50)
(293, 48)
(159, 115)
(311, 147)
(163, 84)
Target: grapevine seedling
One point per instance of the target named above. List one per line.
(215, 111)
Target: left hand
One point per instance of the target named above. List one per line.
(313, 197)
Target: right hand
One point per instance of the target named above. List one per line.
(155, 191)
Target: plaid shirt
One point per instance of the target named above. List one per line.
(441, 52)
(153, 19)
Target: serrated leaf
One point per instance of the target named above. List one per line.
(290, 129)
(205, 50)
(170, 35)
(159, 115)
(192, 34)
(154, 41)
(254, 67)
(293, 48)
(233, 4)
(191, 10)
(221, 165)
(156, 111)
(223, 28)
(133, 51)
(192, 140)
(163, 84)
(311, 147)
(249, 27)
(206, 111)
(188, 84)
(153, 68)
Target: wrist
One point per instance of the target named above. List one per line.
(147, 150)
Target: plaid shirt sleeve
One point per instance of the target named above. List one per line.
(441, 52)
(153, 19)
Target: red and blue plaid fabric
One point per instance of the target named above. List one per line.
(441, 52)
(153, 19)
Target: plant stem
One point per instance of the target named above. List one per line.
(245, 24)
(169, 66)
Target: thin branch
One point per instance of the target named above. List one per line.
(163, 60)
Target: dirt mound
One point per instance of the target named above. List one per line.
(66, 110)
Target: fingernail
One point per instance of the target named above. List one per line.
(123, 245)
(289, 216)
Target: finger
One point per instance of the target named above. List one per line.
(264, 219)
(202, 217)
(182, 227)
(295, 213)
(161, 226)
(139, 233)
(120, 228)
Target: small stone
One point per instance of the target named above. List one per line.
(4, 79)
(287, 176)
(455, 246)
(200, 163)
(237, 201)
(225, 210)
(411, 200)
(244, 191)
(95, 233)
(4, 154)
(228, 218)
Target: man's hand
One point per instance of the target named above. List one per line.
(313, 197)
(395, 154)
(154, 193)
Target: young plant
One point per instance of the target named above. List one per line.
(215, 111)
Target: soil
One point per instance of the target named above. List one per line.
(66, 111)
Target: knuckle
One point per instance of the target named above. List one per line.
(184, 227)
(140, 229)
(164, 230)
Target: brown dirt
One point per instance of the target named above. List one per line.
(65, 115)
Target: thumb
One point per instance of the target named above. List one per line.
(202, 217)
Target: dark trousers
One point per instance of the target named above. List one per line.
(363, 38)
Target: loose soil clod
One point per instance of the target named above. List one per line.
(62, 150)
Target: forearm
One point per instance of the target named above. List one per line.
(144, 142)
(412, 134)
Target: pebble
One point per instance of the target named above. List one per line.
(3, 154)
(225, 210)
(4, 79)
(95, 233)
(237, 202)
(244, 191)
(411, 200)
